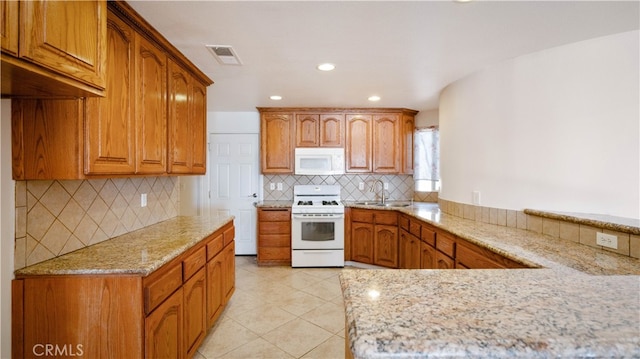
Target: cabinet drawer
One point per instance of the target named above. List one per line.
(428, 236)
(215, 246)
(229, 234)
(274, 228)
(386, 217)
(446, 244)
(156, 291)
(274, 215)
(193, 263)
(414, 228)
(362, 215)
(274, 254)
(274, 240)
(475, 257)
(403, 222)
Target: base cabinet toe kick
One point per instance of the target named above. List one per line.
(165, 314)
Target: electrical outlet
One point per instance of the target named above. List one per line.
(476, 197)
(272, 186)
(386, 185)
(361, 186)
(143, 200)
(279, 186)
(607, 240)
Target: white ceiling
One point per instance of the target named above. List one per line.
(405, 52)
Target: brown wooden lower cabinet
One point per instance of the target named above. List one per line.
(417, 244)
(163, 329)
(410, 251)
(362, 242)
(163, 315)
(195, 300)
(374, 237)
(274, 236)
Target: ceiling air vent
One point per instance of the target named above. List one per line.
(225, 55)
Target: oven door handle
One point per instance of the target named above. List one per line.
(312, 216)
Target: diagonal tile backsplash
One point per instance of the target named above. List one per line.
(401, 187)
(57, 217)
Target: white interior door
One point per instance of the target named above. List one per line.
(234, 183)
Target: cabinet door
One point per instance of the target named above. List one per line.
(66, 37)
(215, 295)
(387, 150)
(409, 252)
(199, 128)
(307, 130)
(385, 246)
(443, 261)
(277, 131)
(109, 124)
(332, 130)
(362, 242)
(408, 128)
(195, 329)
(150, 108)
(358, 152)
(164, 329)
(427, 256)
(228, 271)
(179, 122)
(9, 26)
(47, 138)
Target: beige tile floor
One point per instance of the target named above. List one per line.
(279, 312)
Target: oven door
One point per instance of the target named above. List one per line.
(317, 231)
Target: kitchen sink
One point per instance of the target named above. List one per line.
(393, 204)
(386, 204)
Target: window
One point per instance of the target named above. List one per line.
(426, 172)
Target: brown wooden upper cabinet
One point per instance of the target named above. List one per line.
(54, 48)
(187, 122)
(277, 136)
(110, 123)
(152, 120)
(320, 130)
(375, 140)
(359, 135)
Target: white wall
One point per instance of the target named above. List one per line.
(7, 230)
(557, 130)
(233, 122)
(427, 118)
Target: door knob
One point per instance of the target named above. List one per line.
(255, 195)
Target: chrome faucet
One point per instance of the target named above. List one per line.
(373, 187)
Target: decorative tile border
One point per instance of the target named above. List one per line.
(628, 244)
(57, 217)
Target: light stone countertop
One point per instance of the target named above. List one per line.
(140, 252)
(620, 224)
(510, 313)
(579, 302)
(274, 204)
(526, 247)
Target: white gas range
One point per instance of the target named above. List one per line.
(317, 226)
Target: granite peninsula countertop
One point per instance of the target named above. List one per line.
(578, 302)
(139, 252)
(510, 313)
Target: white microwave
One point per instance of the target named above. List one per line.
(319, 161)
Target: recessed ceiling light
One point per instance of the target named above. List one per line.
(326, 67)
(275, 97)
(374, 98)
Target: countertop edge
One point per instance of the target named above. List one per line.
(55, 266)
(575, 218)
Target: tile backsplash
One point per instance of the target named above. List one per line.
(57, 217)
(401, 187)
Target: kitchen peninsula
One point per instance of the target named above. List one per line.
(581, 302)
(165, 284)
